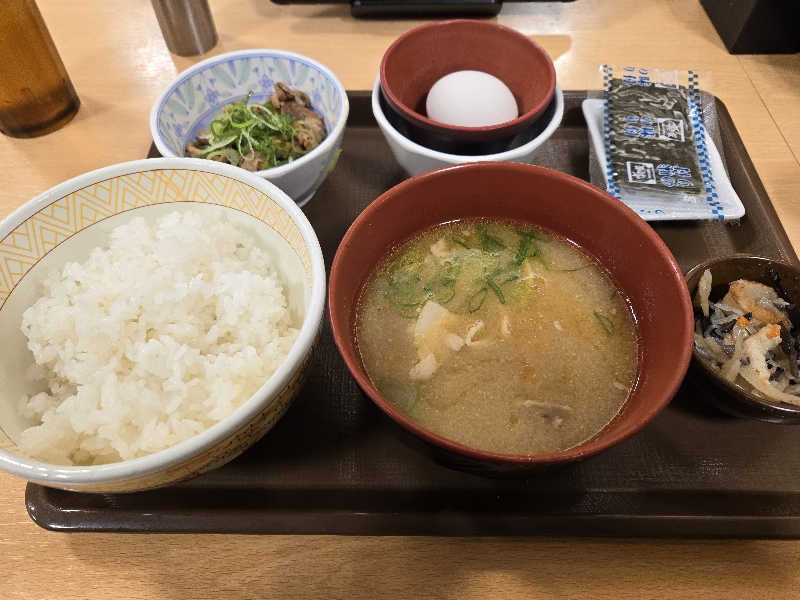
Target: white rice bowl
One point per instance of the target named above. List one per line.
(153, 339)
(166, 435)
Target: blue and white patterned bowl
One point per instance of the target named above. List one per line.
(198, 94)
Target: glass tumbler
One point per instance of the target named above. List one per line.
(36, 94)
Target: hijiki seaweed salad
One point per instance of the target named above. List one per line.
(748, 335)
(261, 136)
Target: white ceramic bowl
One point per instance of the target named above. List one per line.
(66, 222)
(416, 159)
(198, 94)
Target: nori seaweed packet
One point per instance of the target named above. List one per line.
(659, 157)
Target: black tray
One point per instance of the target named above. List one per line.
(335, 464)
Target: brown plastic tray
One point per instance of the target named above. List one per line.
(335, 464)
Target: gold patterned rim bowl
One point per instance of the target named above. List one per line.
(64, 223)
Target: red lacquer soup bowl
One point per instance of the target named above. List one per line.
(626, 247)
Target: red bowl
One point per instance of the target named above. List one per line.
(420, 57)
(632, 254)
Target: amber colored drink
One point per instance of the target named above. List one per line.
(36, 94)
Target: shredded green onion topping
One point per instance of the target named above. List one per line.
(242, 128)
(482, 265)
(605, 323)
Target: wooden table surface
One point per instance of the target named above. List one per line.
(119, 63)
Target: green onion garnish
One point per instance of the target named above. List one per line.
(258, 130)
(605, 323)
(489, 241)
(477, 300)
(522, 251)
(496, 289)
(532, 234)
(460, 242)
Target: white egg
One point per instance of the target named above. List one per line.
(471, 99)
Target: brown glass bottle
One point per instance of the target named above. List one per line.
(36, 94)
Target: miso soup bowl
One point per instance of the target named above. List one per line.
(630, 252)
(66, 222)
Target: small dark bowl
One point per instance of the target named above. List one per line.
(625, 246)
(735, 399)
(420, 57)
(451, 146)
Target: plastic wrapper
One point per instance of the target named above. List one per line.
(654, 145)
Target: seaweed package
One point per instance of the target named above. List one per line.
(657, 156)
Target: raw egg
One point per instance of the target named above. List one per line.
(471, 99)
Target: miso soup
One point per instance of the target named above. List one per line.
(498, 336)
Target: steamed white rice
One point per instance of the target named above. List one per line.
(152, 340)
